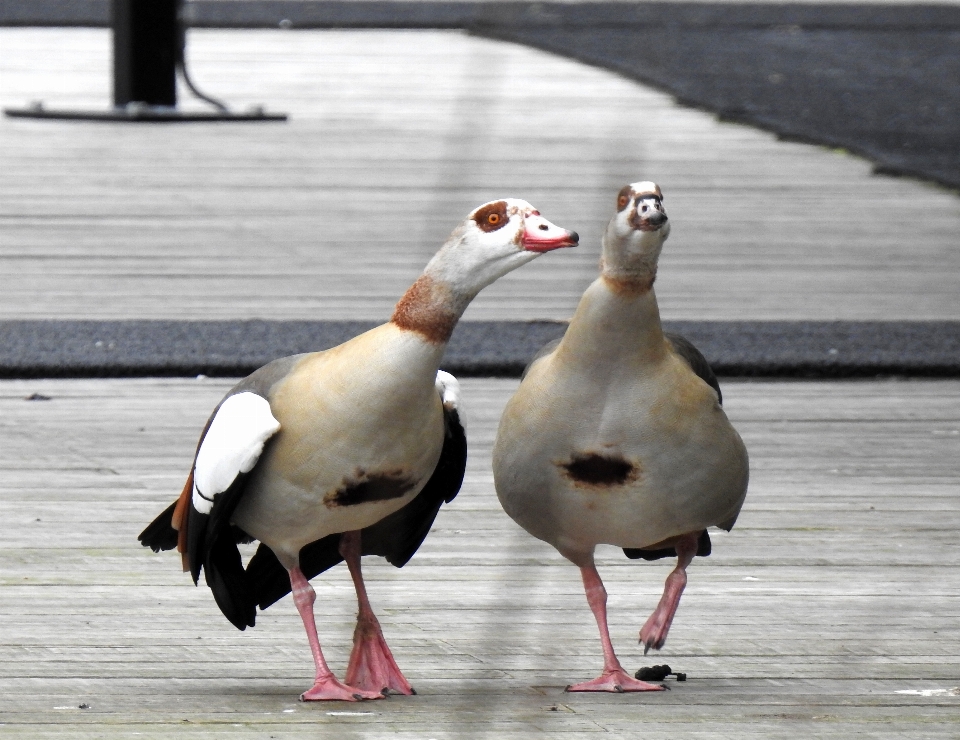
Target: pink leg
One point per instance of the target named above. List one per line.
(613, 678)
(325, 686)
(654, 633)
(372, 666)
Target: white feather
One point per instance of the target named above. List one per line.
(232, 445)
(449, 389)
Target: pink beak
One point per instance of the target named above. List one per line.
(539, 235)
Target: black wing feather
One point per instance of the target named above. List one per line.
(223, 570)
(160, 534)
(695, 359)
(542, 352)
(395, 537)
(211, 538)
(212, 548)
(398, 536)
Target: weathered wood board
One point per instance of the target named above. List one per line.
(838, 588)
(394, 136)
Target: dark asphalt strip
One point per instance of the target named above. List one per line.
(877, 80)
(810, 349)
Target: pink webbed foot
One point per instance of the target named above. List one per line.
(617, 681)
(372, 666)
(330, 689)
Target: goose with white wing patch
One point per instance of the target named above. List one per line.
(617, 436)
(331, 455)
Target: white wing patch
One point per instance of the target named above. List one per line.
(449, 389)
(232, 445)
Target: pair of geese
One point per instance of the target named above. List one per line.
(616, 435)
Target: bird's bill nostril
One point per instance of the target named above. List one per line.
(544, 227)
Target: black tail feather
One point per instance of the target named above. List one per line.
(160, 534)
(704, 547)
(268, 579)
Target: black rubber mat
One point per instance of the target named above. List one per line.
(30, 349)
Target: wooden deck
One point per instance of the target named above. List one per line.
(830, 611)
(394, 136)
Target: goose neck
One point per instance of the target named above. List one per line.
(431, 308)
(615, 320)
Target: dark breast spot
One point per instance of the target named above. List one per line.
(591, 469)
(363, 487)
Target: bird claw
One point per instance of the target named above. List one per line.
(654, 633)
(651, 645)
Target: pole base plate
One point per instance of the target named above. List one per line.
(142, 113)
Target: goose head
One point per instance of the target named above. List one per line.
(494, 239)
(635, 235)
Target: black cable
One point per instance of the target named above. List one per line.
(182, 62)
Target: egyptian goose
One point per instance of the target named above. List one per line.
(616, 434)
(327, 456)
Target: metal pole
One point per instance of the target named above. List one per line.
(145, 39)
(148, 46)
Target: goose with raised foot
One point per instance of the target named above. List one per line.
(617, 435)
(331, 455)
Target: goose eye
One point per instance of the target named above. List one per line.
(491, 217)
(622, 202)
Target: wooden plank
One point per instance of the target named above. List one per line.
(837, 589)
(394, 136)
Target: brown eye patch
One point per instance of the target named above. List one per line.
(492, 216)
(623, 199)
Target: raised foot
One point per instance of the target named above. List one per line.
(615, 681)
(653, 634)
(330, 689)
(372, 666)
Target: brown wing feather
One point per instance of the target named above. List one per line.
(179, 519)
